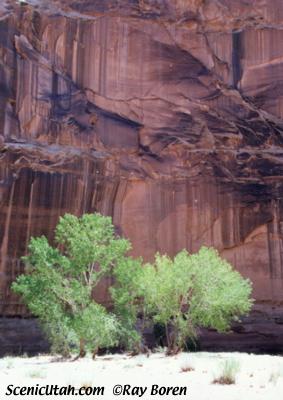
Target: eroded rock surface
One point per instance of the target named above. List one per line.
(165, 114)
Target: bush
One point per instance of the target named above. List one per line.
(190, 291)
(228, 374)
(59, 282)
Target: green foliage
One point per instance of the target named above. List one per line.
(227, 376)
(59, 282)
(90, 244)
(180, 294)
(125, 294)
(220, 294)
(190, 291)
(97, 327)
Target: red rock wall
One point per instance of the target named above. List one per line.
(165, 114)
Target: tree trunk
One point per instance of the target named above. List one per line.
(94, 353)
(168, 339)
(82, 348)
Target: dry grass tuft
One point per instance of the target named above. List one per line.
(187, 368)
(228, 374)
(224, 380)
(274, 376)
(37, 374)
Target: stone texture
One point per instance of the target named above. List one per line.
(20, 336)
(164, 114)
(260, 332)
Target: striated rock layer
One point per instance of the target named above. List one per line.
(165, 114)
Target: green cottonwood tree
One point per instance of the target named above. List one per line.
(59, 282)
(190, 291)
(125, 293)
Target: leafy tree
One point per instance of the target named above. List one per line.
(191, 291)
(59, 282)
(125, 294)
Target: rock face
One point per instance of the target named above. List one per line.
(165, 114)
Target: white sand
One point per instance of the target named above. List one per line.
(260, 377)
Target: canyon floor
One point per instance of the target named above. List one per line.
(259, 376)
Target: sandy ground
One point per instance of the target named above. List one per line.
(259, 377)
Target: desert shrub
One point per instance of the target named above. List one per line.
(191, 291)
(228, 374)
(59, 282)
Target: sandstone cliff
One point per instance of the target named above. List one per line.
(165, 114)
